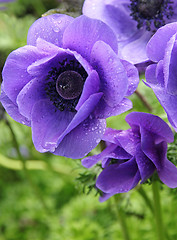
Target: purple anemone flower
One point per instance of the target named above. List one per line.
(66, 82)
(133, 21)
(162, 75)
(5, 1)
(134, 154)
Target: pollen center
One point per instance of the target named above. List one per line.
(149, 8)
(151, 14)
(69, 84)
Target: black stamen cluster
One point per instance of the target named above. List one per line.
(50, 86)
(151, 13)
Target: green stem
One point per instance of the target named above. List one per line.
(122, 219)
(151, 208)
(34, 187)
(143, 100)
(146, 199)
(157, 210)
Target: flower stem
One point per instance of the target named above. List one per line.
(122, 218)
(146, 199)
(144, 101)
(34, 187)
(157, 210)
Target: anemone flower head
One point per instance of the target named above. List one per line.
(133, 21)
(134, 155)
(66, 82)
(162, 75)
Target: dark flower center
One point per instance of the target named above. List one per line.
(151, 13)
(64, 84)
(69, 84)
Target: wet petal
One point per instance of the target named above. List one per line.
(29, 95)
(82, 139)
(113, 76)
(145, 166)
(90, 161)
(103, 110)
(83, 32)
(49, 28)
(156, 51)
(91, 86)
(12, 109)
(133, 77)
(83, 113)
(151, 123)
(15, 75)
(154, 147)
(169, 63)
(48, 123)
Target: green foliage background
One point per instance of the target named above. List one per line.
(45, 197)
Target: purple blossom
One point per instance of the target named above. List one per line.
(66, 82)
(162, 75)
(5, 1)
(134, 154)
(133, 21)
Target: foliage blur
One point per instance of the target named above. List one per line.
(47, 197)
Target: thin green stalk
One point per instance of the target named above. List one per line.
(157, 210)
(143, 100)
(34, 187)
(151, 208)
(122, 219)
(146, 199)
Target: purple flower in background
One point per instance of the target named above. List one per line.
(134, 154)
(66, 82)
(5, 1)
(162, 75)
(133, 21)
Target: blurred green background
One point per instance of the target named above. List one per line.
(47, 197)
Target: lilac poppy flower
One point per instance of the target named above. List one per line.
(162, 75)
(133, 21)
(66, 82)
(133, 155)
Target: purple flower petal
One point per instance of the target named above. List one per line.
(103, 110)
(169, 103)
(150, 74)
(92, 160)
(15, 75)
(119, 179)
(49, 28)
(48, 124)
(169, 63)
(112, 13)
(156, 51)
(133, 77)
(151, 123)
(135, 50)
(83, 32)
(154, 147)
(83, 113)
(29, 95)
(113, 78)
(12, 108)
(105, 196)
(91, 86)
(82, 139)
(168, 174)
(128, 140)
(145, 166)
(110, 135)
